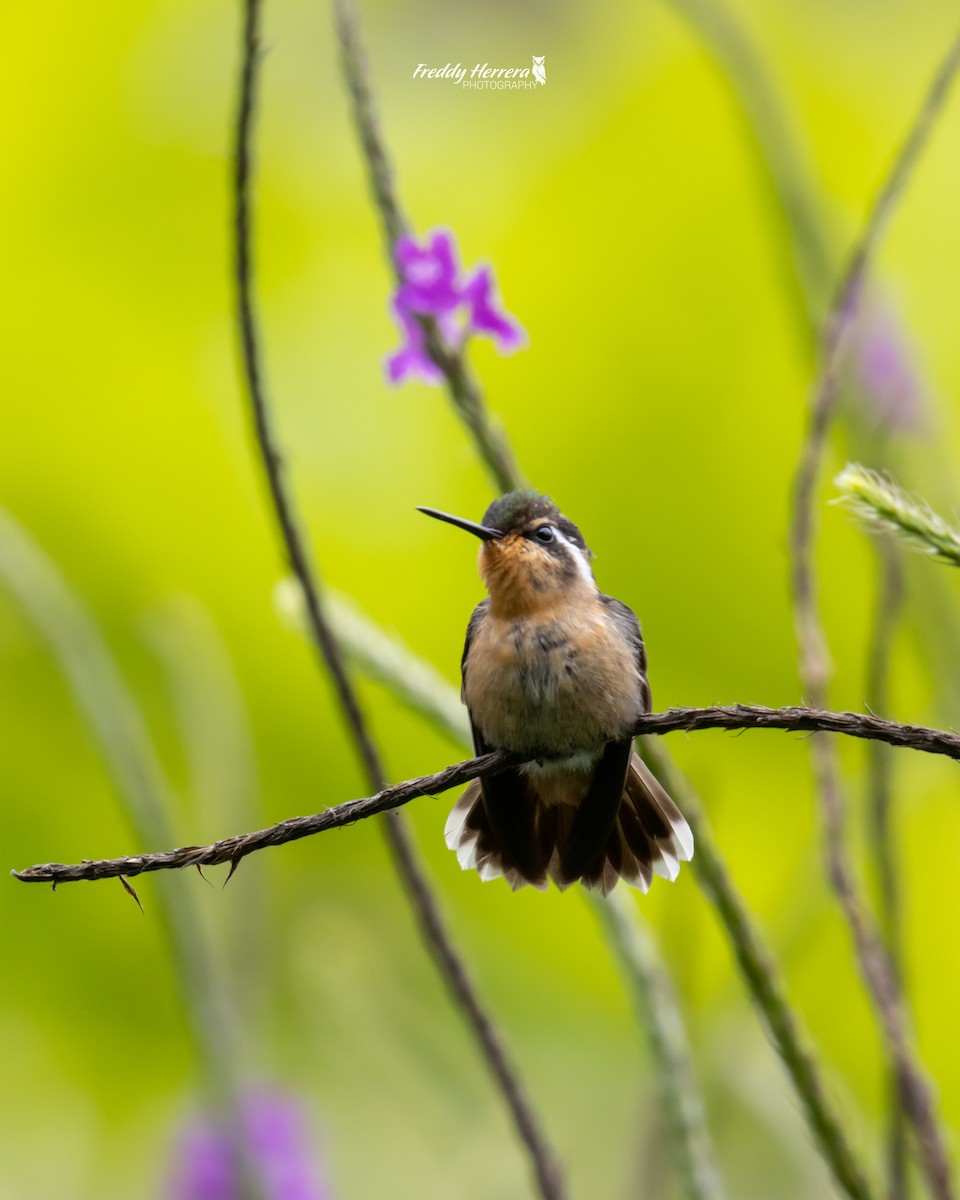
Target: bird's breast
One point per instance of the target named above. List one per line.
(560, 684)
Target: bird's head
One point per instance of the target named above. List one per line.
(532, 557)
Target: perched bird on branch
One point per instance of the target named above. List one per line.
(555, 670)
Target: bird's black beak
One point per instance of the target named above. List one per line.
(484, 532)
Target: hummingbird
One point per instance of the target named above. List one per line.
(555, 670)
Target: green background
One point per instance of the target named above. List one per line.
(661, 401)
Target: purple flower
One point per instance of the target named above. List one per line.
(484, 318)
(275, 1144)
(431, 286)
(429, 275)
(203, 1170)
(412, 358)
(884, 370)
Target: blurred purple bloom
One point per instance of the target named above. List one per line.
(275, 1142)
(429, 275)
(412, 358)
(484, 318)
(885, 371)
(431, 286)
(203, 1168)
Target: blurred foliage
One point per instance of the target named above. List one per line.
(661, 403)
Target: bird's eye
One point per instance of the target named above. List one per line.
(544, 533)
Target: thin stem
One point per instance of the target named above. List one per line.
(386, 660)
(546, 1170)
(757, 94)
(778, 154)
(815, 666)
(145, 795)
(765, 985)
(463, 388)
(888, 607)
(780, 158)
(658, 1010)
(214, 727)
(915, 1092)
(814, 660)
(366, 122)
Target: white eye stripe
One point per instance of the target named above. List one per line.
(583, 564)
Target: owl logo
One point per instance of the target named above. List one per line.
(539, 71)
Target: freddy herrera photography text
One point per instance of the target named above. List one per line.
(483, 76)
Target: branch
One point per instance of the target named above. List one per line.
(801, 720)
(815, 667)
(738, 716)
(401, 845)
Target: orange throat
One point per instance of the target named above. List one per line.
(521, 584)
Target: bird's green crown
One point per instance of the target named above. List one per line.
(516, 510)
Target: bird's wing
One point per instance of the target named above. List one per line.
(477, 617)
(626, 621)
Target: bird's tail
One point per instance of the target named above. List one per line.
(649, 837)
